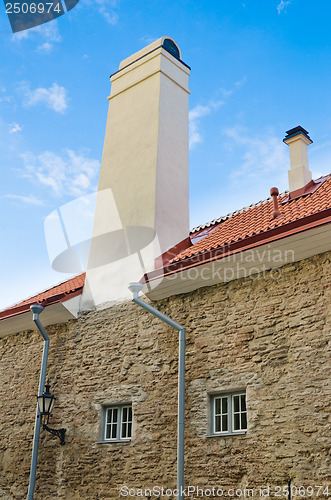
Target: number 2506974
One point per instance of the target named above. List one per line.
(33, 8)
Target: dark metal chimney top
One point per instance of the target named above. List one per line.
(296, 131)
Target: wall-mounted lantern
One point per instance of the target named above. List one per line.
(45, 405)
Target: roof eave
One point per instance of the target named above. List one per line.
(303, 224)
(55, 299)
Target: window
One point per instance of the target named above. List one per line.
(229, 414)
(118, 423)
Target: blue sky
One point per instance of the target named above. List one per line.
(258, 69)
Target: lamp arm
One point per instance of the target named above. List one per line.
(60, 433)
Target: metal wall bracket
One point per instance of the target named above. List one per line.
(60, 433)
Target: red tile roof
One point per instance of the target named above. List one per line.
(248, 228)
(257, 219)
(58, 293)
(238, 230)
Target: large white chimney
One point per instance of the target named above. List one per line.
(299, 175)
(142, 204)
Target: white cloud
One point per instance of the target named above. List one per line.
(106, 10)
(14, 127)
(319, 155)
(148, 39)
(29, 200)
(282, 5)
(259, 155)
(105, 7)
(21, 35)
(236, 86)
(200, 111)
(322, 145)
(111, 17)
(48, 31)
(45, 47)
(70, 174)
(55, 97)
(194, 120)
(5, 98)
(194, 115)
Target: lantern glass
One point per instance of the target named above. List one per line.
(45, 402)
(51, 405)
(40, 400)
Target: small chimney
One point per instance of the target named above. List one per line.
(274, 193)
(299, 175)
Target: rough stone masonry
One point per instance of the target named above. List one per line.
(266, 336)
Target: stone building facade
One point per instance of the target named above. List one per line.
(251, 288)
(265, 336)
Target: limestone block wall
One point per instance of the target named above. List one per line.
(267, 336)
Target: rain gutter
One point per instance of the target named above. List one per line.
(135, 289)
(36, 310)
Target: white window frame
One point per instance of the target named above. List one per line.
(127, 436)
(230, 413)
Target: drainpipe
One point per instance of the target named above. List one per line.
(36, 310)
(135, 289)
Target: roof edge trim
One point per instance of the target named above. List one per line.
(298, 226)
(55, 299)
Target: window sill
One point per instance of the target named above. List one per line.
(115, 441)
(241, 433)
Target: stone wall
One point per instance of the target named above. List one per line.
(264, 335)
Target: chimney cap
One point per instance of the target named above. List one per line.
(297, 131)
(166, 42)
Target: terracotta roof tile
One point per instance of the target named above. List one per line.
(66, 287)
(256, 219)
(61, 292)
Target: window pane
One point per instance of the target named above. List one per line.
(111, 423)
(229, 413)
(236, 424)
(224, 423)
(109, 415)
(235, 403)
(118, 422)
(126, 422)
(244, 420)
(114, 431)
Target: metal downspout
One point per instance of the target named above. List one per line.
(36, 310)
(135, 289)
